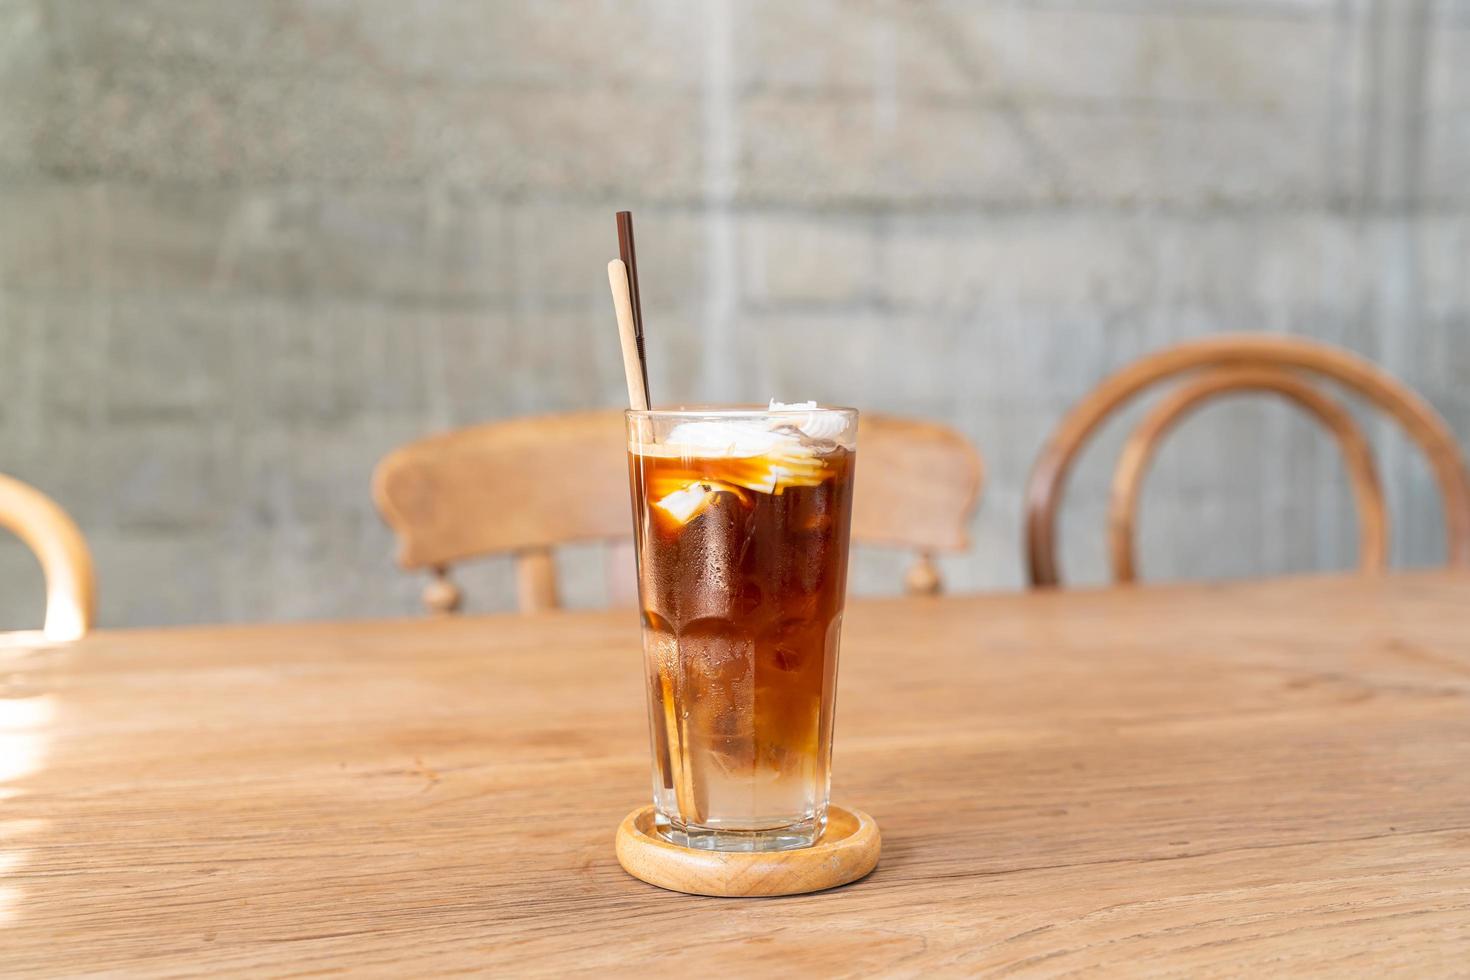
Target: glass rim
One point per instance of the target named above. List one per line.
(732, 411)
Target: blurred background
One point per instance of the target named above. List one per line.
(247, 248)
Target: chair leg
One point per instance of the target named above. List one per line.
(536, 580)
(441, 596)
(923, 577)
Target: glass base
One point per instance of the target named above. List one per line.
(789, 838)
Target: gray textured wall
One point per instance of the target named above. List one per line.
(245, 248)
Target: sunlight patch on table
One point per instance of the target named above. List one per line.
(22, 734)
(24, 729)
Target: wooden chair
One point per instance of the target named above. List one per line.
(1217, 366)
(71, 583)
(918, 484)
(527, 485)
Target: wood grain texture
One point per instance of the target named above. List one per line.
(848, 849)
(1308, 358)
(508, 487)
(66, 562)
(1227, 780)
(1144, 441)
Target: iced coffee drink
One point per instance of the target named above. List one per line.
(741, 521)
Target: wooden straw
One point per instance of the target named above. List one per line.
(630, 259)
(617, 278)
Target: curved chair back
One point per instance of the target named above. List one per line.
(1217, 366)
(71, 582)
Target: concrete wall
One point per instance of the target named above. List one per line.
(245, 248)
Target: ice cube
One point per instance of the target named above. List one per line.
(686, 504)
(693, 499)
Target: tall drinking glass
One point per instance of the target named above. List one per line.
(741, 522)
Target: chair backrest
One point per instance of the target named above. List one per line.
(71, 583)
(521, 486)
(527, 485)
(1217, 366)
(918, 484)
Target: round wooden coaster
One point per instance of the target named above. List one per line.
(846, 851)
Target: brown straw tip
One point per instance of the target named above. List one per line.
(629, 255)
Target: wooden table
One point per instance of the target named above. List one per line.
(1252, 778)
